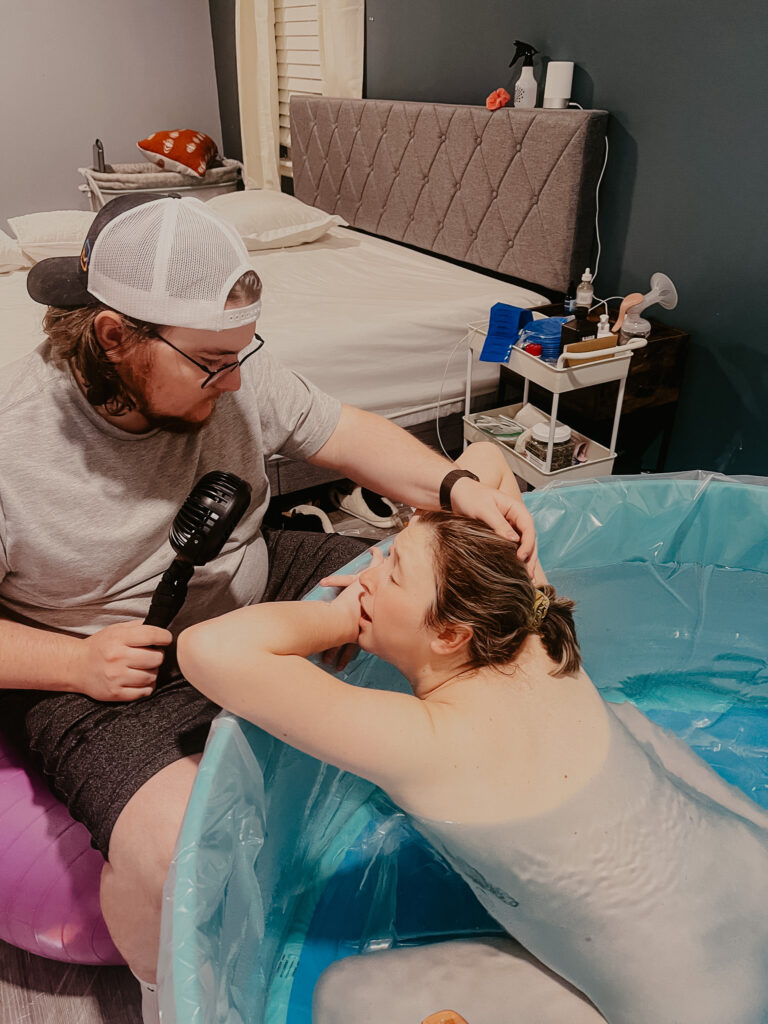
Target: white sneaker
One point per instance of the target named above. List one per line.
(309, 518)
(355, 504)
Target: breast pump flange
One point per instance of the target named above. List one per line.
(629, 323)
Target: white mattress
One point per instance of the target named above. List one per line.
(366, 320)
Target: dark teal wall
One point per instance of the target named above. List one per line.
(685, 187)
(223, 32)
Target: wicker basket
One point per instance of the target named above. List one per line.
(101, 186)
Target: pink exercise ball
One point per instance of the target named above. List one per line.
(49, 872)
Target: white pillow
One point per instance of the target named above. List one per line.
(266, 219)
(58, 233)
(11, 256)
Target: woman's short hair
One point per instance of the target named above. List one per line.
(481, 582)
(72, 333)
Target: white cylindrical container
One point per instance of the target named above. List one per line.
(557, 89)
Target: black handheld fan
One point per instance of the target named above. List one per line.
(202, 526)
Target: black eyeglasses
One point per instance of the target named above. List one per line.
(222, 371)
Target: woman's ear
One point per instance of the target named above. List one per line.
(110, 330)
(451, 640)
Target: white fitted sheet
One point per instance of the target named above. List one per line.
(375, 323)
(366, 320)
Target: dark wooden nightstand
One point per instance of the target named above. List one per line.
(648, 410)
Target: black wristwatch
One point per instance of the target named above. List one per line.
(448, 481)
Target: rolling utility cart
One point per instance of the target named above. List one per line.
(572, 371)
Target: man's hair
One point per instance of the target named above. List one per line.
(481, 582)
(72, 333)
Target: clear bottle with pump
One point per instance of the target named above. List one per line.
(526, 88)
(634, 326)
(585, 293)
(604, 326)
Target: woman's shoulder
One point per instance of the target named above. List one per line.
(515, 744)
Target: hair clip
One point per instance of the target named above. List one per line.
(540, 609)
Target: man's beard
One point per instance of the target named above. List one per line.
(175, 424)
(135, 376)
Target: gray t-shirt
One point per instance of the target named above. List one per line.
(85, 508)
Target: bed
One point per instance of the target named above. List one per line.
(449, 210)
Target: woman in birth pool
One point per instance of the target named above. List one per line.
(599, 841)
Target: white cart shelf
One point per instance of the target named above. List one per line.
(589, 369)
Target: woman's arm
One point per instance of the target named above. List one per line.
(253, 662)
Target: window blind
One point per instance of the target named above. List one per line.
(298, 63)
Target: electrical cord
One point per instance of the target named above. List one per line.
(597, 198)
(440, 393)
(604, 302)
(597, 211)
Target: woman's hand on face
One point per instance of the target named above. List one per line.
(347, 603)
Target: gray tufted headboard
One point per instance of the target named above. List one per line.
(510, 190)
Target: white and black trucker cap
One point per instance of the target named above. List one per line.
(167, 260)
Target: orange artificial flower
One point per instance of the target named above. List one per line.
(499, 98)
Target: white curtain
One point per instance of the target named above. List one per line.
(257, 92)
(341, 28)
(342, 31)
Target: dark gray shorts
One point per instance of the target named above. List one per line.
(95, 755)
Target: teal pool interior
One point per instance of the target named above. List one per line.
(285, 865)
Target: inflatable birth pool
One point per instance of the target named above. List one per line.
(285, 865)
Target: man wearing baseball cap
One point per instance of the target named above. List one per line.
(152, 375)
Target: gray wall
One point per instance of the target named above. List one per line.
(684, 190)
(78, 69)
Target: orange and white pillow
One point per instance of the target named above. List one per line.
(181, 150)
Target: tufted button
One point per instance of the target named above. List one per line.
(494, 193)
(518, 147)
(442, 137)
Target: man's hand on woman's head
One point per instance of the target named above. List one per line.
(506, 515)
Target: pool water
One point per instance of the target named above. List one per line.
(687, 644)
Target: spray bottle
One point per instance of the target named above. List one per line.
(525, 87)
